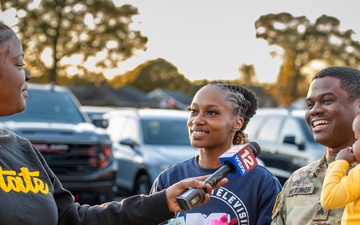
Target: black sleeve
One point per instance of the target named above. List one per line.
(139, 209)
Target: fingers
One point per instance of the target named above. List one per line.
(346, 154)
(349, 149)
(222, 182)
(197, 182)
(209, 188)
(180, 187)
(206, 200)
(177, 189)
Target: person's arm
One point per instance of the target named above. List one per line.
(339, 189)
(178, 188)
(140, 209)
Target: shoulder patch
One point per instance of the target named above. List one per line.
(321, 214)
(304, 190)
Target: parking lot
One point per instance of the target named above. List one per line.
(144, 142)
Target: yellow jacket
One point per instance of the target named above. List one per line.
(340, 190)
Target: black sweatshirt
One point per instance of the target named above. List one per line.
(31, 194)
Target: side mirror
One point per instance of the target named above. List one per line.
(98, 121)
(129, 142)
(291, 140)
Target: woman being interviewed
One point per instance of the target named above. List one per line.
(219, 114)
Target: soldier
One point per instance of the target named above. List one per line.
(333, 101)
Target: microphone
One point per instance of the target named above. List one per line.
(238, 161)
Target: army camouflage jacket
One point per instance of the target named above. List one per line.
(299, 201)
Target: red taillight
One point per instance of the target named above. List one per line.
(107, 152)
(104, 156)
(77, 197)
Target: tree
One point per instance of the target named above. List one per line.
(248, 74)
(304, 45)
(157, 73)
(76, 35)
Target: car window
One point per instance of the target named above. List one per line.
(115, 128)
(51, 106)
(165, 132)
(130, 129)
(291, 127)
(270, 128)
(253, 126)
(307, 131)
(121, 127)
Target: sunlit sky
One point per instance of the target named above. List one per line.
(210, 39)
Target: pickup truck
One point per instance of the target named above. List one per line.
(78, 152)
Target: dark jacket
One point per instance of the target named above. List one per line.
(30, 193)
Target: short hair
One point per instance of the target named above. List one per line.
(349, 79)
(5, 33)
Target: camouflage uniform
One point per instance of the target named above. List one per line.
(299, 201)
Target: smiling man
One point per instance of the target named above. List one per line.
(333, 101)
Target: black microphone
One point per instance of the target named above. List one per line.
(237, 161)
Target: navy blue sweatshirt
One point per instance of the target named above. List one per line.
(243, 200)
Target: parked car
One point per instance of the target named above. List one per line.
(78, 152)
(95, 113)
(285, 139)
(147, 141)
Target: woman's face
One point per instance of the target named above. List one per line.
(13, 88)
(211, 123)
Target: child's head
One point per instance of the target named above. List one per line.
(356, 126)
(356, 145)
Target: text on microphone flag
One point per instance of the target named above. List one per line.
(242, 158)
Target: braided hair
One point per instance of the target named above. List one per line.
(244, 104)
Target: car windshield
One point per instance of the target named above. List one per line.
(308, 133)
(165, 132)
(50, 106)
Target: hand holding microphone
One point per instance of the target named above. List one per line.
(238, 161)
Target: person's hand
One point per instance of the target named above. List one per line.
(346, 154)
(178, 188)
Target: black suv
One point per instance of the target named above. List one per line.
(285, 139)
(79, 153)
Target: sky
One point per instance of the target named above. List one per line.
(211, 39)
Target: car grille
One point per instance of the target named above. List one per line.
(71, 159)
